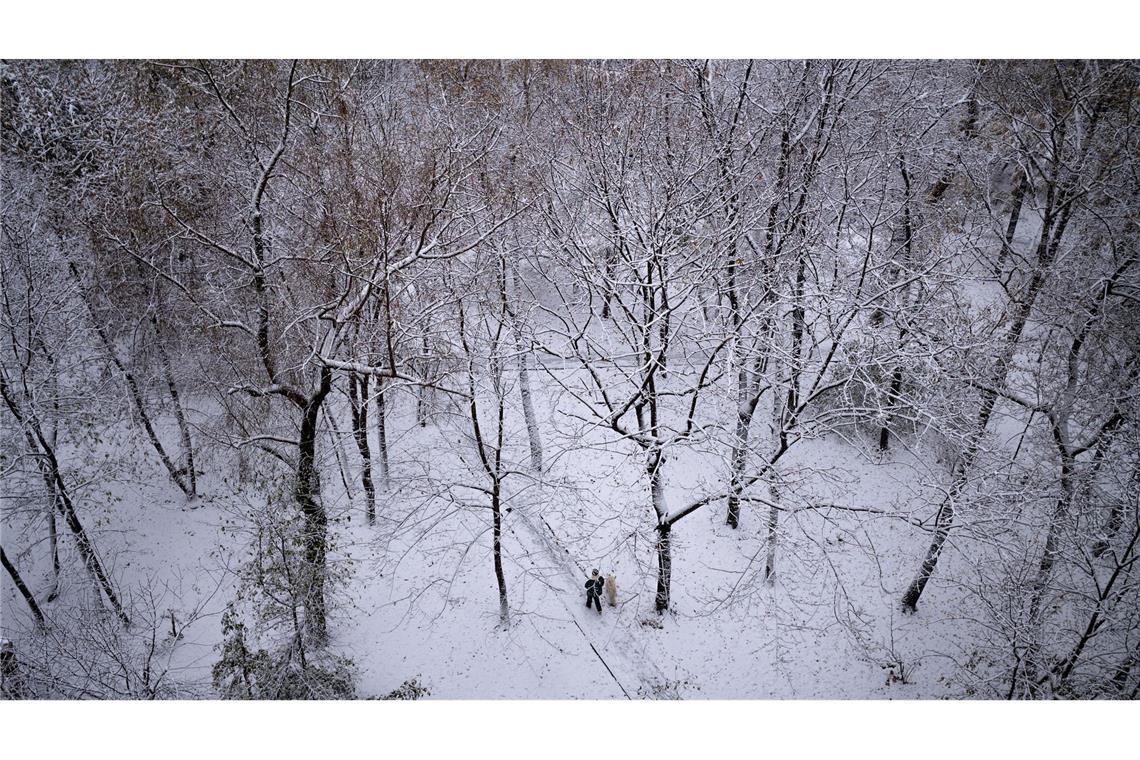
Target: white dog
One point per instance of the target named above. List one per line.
(611, 590)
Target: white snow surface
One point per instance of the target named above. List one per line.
(420, 599)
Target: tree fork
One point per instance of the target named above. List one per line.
(307, 494)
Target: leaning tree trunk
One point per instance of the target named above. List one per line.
(179, 411)
(945, 517)
(1015, 213)
(339, 453)
(53, 478)
(23, 589)
(1046, 249)
(1061, 511)
(133, 389)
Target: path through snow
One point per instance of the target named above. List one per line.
(619, 652)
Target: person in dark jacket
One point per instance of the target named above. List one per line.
(594, 585)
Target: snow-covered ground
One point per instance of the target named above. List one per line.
(420, 600)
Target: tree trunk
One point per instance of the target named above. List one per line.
(307, 492)
(53, 477)
(1045, 566)
(785, 418)
(609, 279)
(179, 411)
(773, 535)
(664, 566)
(339, 453)
(1052, 537)
(87, 550)
(654, 464)
(358, 399)
(382, 434)
(748, 396)
(492, 466)
(133, 388)
(738, 459)
(53, 546)
(497, 547)
(892, 396)
(53, 505)
(1120, 677)
(23, 589)
(524, 389)
(744, 405)
(1046, 248)
(907, 251)
(748, 393)
(421, 390)
(1115, 518)
(533, 433)
(12, 683)
(1016, 200)
(942, 525)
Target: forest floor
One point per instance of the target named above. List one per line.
(420, 601)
